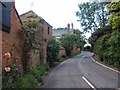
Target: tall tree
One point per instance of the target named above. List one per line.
(80, 38)
(68, 42)
(92, 15)
(114, 20)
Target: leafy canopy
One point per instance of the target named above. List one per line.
(68, 42)
(92, 15)
(114, 20)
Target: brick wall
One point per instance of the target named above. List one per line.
(63, 53)
(34, 58)
(75, 50)
(47, 34)
(12, 41)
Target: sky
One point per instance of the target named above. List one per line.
(57, 13)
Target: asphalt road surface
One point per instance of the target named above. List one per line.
(81, 72)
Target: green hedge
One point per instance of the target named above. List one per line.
(108, 48)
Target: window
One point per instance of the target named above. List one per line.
(6, 16)
(48, 30)
(45, 40)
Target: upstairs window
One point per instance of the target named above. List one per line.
(48, 30)
(6, 16)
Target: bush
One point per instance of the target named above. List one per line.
(52, 51)
(107, 48)
(27, 81)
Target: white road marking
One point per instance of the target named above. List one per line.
(105, 66)
(89, 83)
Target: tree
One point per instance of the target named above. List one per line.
(68, 42)
(92, 15)
(79, 38)
(114, 20)
(52, 50)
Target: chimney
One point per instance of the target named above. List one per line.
(72, 25)
(68, 27)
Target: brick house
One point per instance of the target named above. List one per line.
(59, 32)
(46, 32)
(10, 40)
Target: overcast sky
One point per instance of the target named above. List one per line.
(57, 13)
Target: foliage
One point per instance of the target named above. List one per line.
(71, 40)
(32, 34)
(106, 39)
(114, 20)
(52, 50)
(67, 41)
(98, 33)
(107, 47)
(31, 23)
(28, 80)
(92, 15)
(15, 70)
(79, 39)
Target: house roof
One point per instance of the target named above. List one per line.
(18, 16)
(30, 12)
(35, 14)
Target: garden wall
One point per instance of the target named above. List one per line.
(62, 52)
(75, 51)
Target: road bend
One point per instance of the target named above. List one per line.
(81, 72)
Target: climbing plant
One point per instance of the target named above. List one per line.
(32, 35)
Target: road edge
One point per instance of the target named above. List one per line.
(103, 64)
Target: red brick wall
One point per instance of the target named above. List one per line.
(62, 53)
(12, 41)
(46, 37)
(75, 50)
(47, 34)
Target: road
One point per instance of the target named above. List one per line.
(81, 72)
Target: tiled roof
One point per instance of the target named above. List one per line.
(59, 32)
